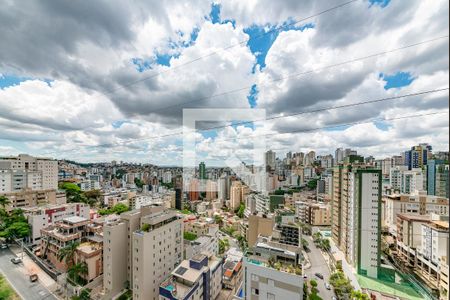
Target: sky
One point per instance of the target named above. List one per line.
(108, 80)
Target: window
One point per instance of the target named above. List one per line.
(255, 292)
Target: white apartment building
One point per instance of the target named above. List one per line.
(28, 172)
(157, 251)
(406, 181)
(434, 241)
(265, 283)
(44, 216)
(356, 207)
(415, 204)
(89, 185)
(199, 278)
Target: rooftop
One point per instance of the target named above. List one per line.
(74, 219)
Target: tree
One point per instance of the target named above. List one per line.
(218, 220)
(13, 224)
(17, 230)
(85, 294)
(358, 295)
(341, 284)
(189, 236)
(139, 183)
(312, 184)
(67, 253)
(325, 244)
(145, 227)
(75, 272)
(4, 201)
(305, 243)
(120, 208)
(240, 211)
(313, 283)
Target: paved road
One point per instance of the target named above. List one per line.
(318, 265)
(16, 274)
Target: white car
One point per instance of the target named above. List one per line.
(327, 286)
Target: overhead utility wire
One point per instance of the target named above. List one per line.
(246, 88)
(229, 47)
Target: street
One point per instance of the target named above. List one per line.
(318, 265)
(18, 278)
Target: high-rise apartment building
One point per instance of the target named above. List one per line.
(406, 181)
(356, 213)
(21, 172)
(157, 251)
(151, 241)
(202, 170)
(418, 156)
(235, 194)
(199, 278)
(339, 156)
(438, 178)
(270, 159)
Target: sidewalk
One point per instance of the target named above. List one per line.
(29, 266)
(348, 270)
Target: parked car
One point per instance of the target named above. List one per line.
(319, 275)
(33, 277)
(327, 286)
(305, 276)
(3, 246)
(16, 260)
(333, 298)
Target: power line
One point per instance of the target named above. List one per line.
(266, 119)
(229, 47)
(246, 88)
(339, 125)
(279, 133)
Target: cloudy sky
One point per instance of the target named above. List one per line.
(103, 80)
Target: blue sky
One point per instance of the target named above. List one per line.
(397, 80)
(267, 43)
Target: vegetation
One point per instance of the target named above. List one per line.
(186, 211)
(322, 243)
(67, 253)
(240, 210)
(228, 230)
(218, 220)
(243, 244)
(358, 295)
(13, 224)
(126, 296)
(342, 286)
(85, 294)
(139, 183)
(190, 236)
(305, 244)
(4, 201)
(76, 195)
(117, 209)
(223, 245)
(306, 228)
(76, 271)
(145, 227)
(6, 291)
(312, 184)
(168, 185)
(119, 173)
